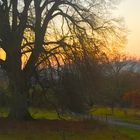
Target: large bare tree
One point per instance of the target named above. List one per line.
(34, 31)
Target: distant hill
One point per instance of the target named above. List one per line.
(132, 65)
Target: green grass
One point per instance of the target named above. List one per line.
(134, 134)
(43, 114)
(119, 113)
(38, 113)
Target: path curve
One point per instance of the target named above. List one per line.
(117, 122)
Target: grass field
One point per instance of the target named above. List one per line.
(53, 129)
(134, 134)
(38, 113)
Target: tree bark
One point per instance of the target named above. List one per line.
(19, 107)
(19, 98)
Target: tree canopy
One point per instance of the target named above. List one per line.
(50, 33)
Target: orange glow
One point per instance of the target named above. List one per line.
(2, 54)
(129, 10)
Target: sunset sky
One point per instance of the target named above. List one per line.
(130, 10)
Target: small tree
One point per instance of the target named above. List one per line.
(114, 70)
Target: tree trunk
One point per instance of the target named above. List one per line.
(19, 107)
(18, 80)
(19, 100)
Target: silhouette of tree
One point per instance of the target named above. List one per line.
(33, 32)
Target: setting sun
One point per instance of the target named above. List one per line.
(2, 54)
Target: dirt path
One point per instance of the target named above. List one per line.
(117, 122)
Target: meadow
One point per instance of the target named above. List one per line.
(47, 126)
